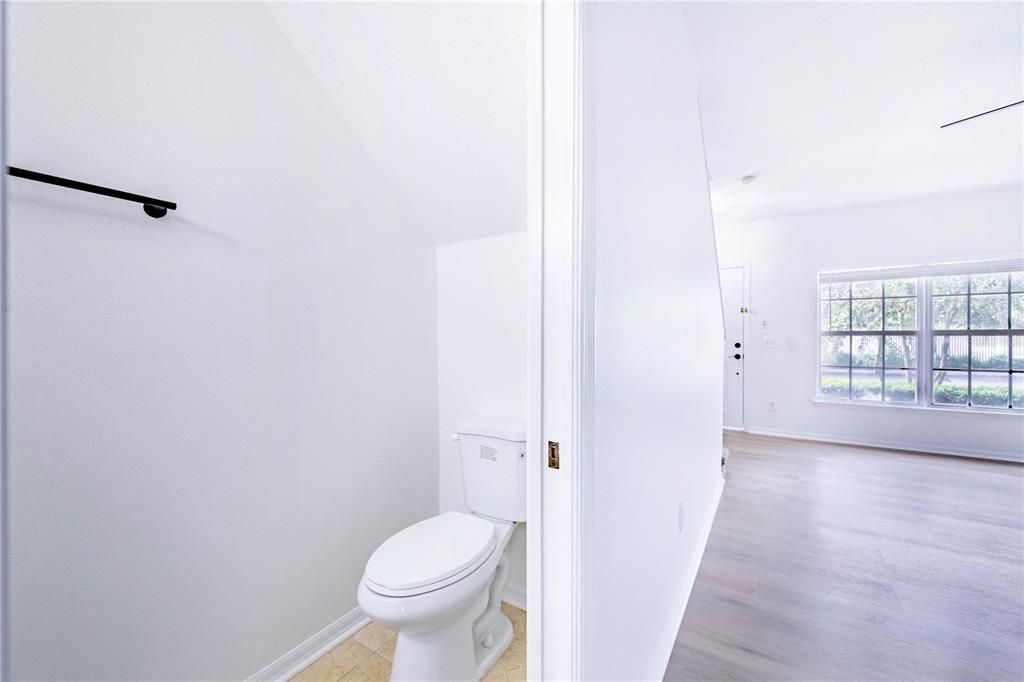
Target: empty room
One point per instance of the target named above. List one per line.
(870, 242)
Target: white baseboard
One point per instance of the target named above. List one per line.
(515, 595)
(663, 652)
(306, 653)
(887, 445)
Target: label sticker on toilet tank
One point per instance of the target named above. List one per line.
(487, 452)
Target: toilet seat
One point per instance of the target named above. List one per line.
(430, 555)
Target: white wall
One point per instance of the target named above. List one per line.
(785, 254)
(481, 357)
(4, 672)
(215, 417)
(657, 337)
(436, 91)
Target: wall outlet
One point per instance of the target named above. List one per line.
(682, 517)
(791, 343)
(769, 342)
(771, 405)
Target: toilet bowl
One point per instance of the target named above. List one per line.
(439, 582)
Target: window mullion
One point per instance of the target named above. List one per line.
(882, 396)
(925, 356)
(849, 331)
(1009, 339)
(970, 348)
(1009, 366)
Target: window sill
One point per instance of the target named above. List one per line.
(871, 405)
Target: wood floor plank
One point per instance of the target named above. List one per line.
(831, 562)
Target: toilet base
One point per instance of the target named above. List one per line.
(501, 637)
(454, 633)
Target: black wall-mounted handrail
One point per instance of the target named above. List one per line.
(154, 208)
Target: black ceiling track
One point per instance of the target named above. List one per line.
(990, 111)
(154, 208)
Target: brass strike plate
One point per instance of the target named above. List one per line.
(552, 454)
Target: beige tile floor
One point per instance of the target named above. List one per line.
(366, 656)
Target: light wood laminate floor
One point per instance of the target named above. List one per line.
(831, 562)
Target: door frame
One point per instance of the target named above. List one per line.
(559, 347)
(745, 398)
(535, 328)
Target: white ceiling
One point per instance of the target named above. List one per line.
(835, 104)
(436, 92)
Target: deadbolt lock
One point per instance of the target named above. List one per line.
(552, 454)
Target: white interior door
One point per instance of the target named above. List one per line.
(735, 305)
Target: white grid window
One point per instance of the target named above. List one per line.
(869, 340)
(930, 335)
(978, 340)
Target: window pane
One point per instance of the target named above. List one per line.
(989, 311)
(835, 350)
(867, 351)
(949, 388)
(990, 389)
(824, 320)
(1017, 284)
(901, 287)
(949, 352)
(956, 284)
(990, 352)
(1018, 394)
(989, 282)
(867, 314)
(840, 290)
(866, 384)
(835, 383)
(866, 289)
(901, 313)
(900, 351)
(949, 312)
(901, 386)
(1017, 311)
(1018, 358)
(840, 318)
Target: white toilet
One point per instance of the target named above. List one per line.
(439, 582)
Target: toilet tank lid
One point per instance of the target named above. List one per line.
(506, 428)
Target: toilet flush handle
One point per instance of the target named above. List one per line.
(455, 436)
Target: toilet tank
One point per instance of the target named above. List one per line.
(493, 452)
